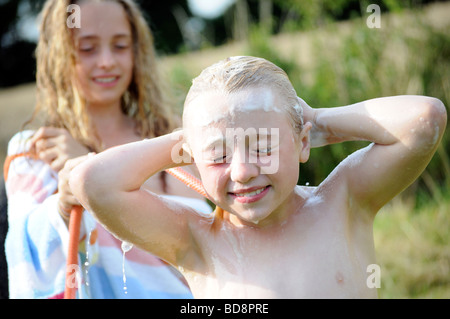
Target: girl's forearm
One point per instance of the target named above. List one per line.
(348, 123)
(124, 168)
(382, 121)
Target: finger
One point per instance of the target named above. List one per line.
(72, 201)
(37, 135)
(41, 134)
(45, 143)
(45, 132)
(66, 198)
(48, 155)
(67, 206)
(58, 163)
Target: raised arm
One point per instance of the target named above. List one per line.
(109, 186)
(405, 131)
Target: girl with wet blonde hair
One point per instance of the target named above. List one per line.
(238, 73)
(97, 87)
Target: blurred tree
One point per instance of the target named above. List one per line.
(17, 62)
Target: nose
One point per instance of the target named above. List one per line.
(241, 170)
(106, 59)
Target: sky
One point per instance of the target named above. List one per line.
(209, 9)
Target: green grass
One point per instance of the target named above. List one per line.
(413, 249)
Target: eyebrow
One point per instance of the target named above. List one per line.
(94, 36)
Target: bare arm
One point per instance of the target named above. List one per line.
(109, 186)
(405, 131)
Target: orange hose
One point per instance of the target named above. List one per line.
(188, 179)
(72, 255)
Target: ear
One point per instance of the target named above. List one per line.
(187, 153)
(304, 143)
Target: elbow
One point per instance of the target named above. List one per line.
(83, 186)
(437, 111)
(78, 182)
(431, 123)
(441, 113)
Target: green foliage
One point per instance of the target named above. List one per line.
(259, 45)
(180, 79)
(308, 14)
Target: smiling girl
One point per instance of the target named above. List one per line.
(97, 87)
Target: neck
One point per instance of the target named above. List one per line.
(100, 110)
(111, 124)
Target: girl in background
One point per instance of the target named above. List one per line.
(97, 87)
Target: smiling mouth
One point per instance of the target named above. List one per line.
(250, 196)
(106, 79)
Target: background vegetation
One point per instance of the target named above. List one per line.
(333, 59)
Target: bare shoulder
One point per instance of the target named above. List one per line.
(332, 194)
(336, 192)
(325, 197)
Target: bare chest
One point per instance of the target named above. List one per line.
(323, 260)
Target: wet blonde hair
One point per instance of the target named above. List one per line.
(61, 102)
(238, 73)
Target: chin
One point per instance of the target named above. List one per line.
(253, 217)
(107, 98)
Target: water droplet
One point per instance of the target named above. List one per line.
(86, 263)
(126, 247)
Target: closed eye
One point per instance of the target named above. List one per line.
(122, 46)
(220, 159)
(87, 49)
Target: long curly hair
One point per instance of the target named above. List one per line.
(61, 102)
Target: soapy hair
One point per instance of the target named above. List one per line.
(239, 73)
(60, 100)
